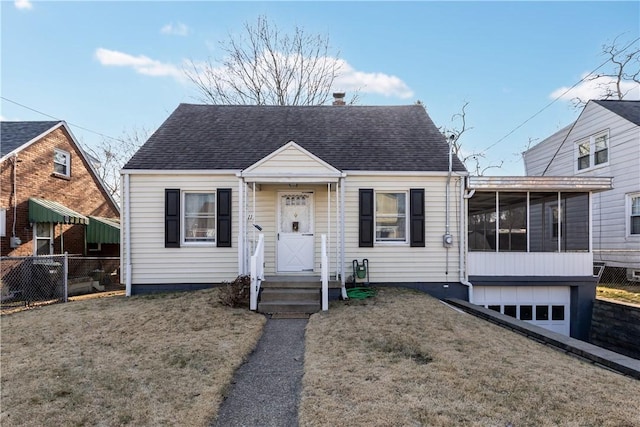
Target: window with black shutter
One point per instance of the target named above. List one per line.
(417, 217)
(224, 217)
(171, 218)
(366, 218)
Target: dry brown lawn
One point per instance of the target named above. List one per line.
(626, 293)
(405, 359)
(154, 360)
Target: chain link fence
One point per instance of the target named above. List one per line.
(616, 277)
(40, 280)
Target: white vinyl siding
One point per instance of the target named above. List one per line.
(612, 242)
(152, 263)
(402, 263)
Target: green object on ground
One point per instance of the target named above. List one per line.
(361, 293)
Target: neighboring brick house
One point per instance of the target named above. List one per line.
(51, 200)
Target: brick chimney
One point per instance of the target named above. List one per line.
(338, 98)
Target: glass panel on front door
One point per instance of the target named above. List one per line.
(295, 213)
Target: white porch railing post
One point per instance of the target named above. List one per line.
(325, 274)
(257, 273)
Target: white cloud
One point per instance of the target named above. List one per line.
(23, 4)
(141, 64)
(596, 89)
(179, 29)
(350, 79)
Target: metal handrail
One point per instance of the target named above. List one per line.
(257, 272)
(324, 274)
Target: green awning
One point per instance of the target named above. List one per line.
(41, 210)
(103, 230)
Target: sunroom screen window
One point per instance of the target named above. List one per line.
(512, 225)
(543, 222)
(482, 222)
(553, 223)
(200, 217)
(391, 217)
(575, 222)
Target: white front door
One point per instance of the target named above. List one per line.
(295, 248)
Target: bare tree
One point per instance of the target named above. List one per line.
(263, 66)
(111, 154)
(472, 160)
(624, 68)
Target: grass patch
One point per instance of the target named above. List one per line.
(623, 293)
(403, 358)
(149, 360)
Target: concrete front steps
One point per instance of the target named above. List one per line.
(291, 295)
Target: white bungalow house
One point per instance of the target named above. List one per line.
(302, 195)
(373, 182)
(604, 141)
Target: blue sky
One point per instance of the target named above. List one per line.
(111, 67)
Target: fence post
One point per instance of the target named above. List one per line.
(65, 274)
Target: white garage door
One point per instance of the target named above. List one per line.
(544, 306)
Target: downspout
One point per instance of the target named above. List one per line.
(343, 287)
(242, 220)
(127, 234)
(447, 239)
(464, 242)
(15, 194)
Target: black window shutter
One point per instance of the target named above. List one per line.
(171, 218)
(416, 208)
(223, 218)
(366, 218)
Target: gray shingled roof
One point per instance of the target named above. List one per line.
(15, 134)
(629, 110)
(381, 138)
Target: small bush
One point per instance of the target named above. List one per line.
(236, 294)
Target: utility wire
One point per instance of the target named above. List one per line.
(556, 99)
(56, 118)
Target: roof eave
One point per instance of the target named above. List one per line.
(540, 183)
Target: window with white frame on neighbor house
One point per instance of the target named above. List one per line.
(391, 217)
(199, 217)
(593, 151)
(634, 214)
(61, 162)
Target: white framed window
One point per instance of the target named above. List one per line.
(592, 152)
(61, 162)
(199, 217)
(391, 217)
(43, 238)
(633, 213)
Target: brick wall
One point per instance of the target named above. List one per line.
(35, 178)
(616, 327)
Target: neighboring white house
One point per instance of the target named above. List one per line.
(603, 142)
(219, 191)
